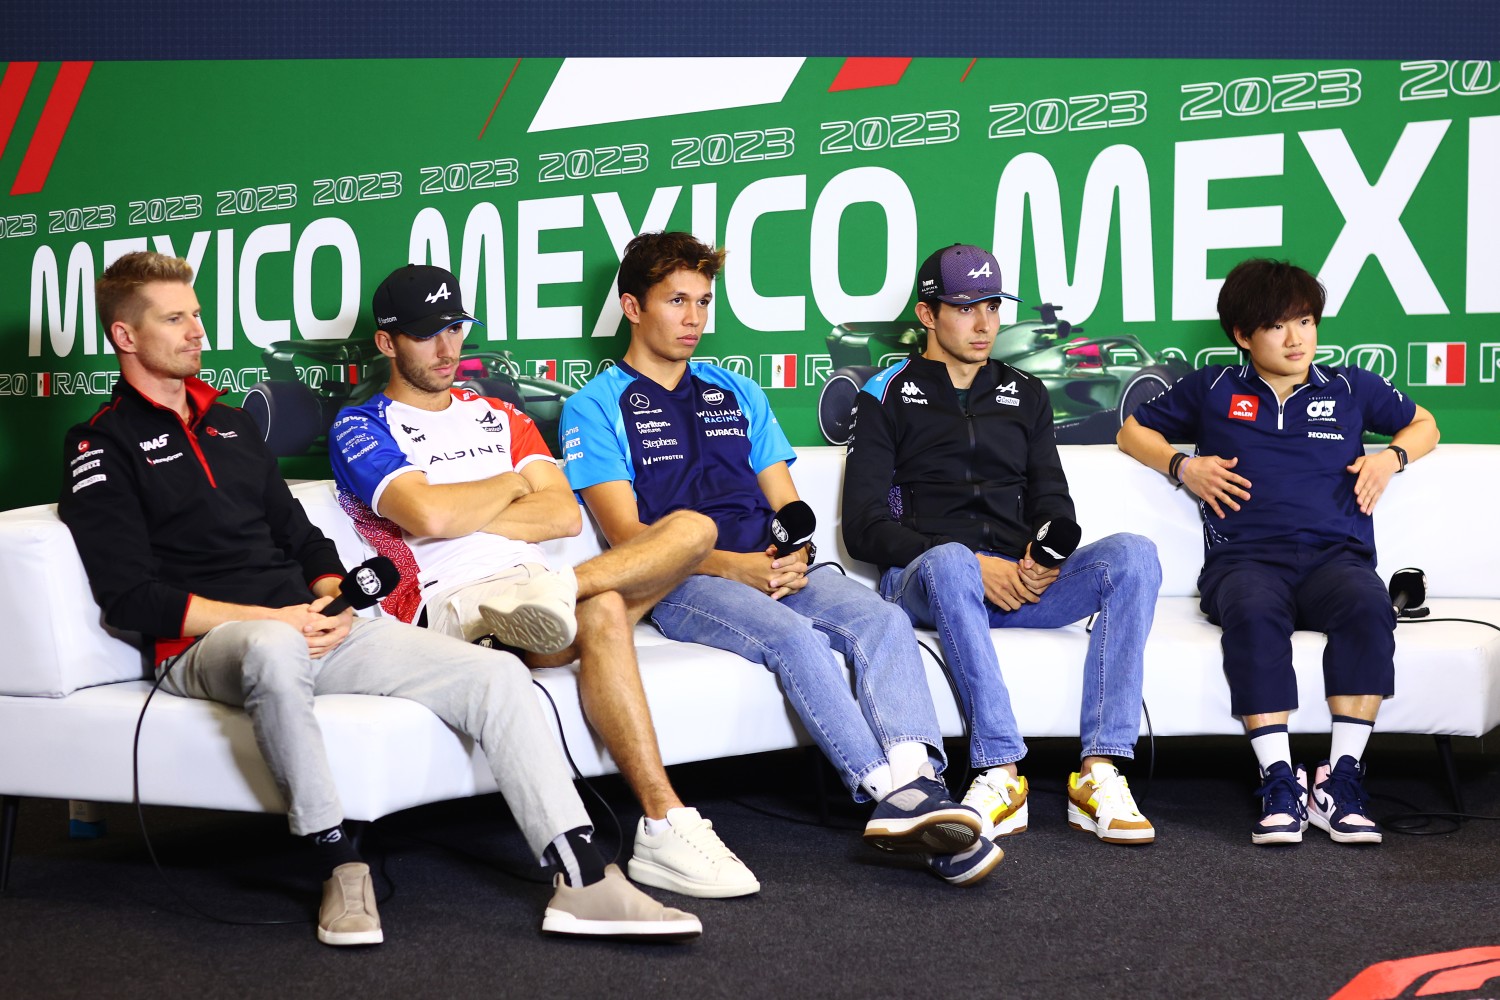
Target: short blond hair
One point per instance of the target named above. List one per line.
(117, 293)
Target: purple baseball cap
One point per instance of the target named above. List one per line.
(960, 274)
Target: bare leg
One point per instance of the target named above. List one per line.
(615, 590)
(1356, 706)
(646, 568)
(614, 702)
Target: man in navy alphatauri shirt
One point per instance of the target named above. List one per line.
(1286, 493)
(658, 433)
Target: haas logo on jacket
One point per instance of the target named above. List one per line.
(154, 443)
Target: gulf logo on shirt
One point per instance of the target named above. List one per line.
(1243, 407)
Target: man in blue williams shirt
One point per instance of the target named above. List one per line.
(658, 433)
(1286, 493)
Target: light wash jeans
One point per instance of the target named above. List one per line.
(1118, 577)
(487, 695)
(792, 637)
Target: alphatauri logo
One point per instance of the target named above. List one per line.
(1319, 408)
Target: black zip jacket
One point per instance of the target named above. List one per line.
(922, 471)
(161, 510)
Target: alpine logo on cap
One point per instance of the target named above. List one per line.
(441, 293)
(982, 271)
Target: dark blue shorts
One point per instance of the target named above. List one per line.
(1259, 603)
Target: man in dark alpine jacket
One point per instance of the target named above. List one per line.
(952, 483)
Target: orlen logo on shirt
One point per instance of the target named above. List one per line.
(1243, 407)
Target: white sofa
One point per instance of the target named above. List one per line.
(70, 693)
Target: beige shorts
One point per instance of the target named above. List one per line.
(455, 611)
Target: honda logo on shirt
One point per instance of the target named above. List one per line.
(1243, 407)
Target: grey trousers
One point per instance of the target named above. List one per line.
(263, 667)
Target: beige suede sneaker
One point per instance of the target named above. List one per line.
(348, 915)
(614, 908)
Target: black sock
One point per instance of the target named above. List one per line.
(334, 847)
(573, 855)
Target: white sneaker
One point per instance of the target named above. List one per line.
(1000, 800)
(688, 857)
(536, 613)
(1100, 803)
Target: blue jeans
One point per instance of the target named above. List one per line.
(1117, 577)
(792, 637)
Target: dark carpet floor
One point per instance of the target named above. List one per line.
(1201, 913)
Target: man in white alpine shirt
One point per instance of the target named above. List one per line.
(461, 488)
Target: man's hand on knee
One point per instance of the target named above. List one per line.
(322, 632)
(1003, 584)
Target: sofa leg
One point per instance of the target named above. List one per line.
(10, 806)
(1450, 770)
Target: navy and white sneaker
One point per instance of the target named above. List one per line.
(969, 867)
(1283, 805)
(920, 817)
(1338, 803)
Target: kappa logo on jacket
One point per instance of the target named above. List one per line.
(910, 392)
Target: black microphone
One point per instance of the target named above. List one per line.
(1408, 589)
(365, 584)
(1054, 541)
(792, 527)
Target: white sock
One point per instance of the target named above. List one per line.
(1271, 743)
(877, 783)
(1350, 735)
(909, 762)
(657, 827)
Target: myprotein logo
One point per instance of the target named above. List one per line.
(1243, 407)
(154, 443)
(367, 580)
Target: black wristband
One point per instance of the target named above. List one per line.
(1401, 454)
(1174, 465)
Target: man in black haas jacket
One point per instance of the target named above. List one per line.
(953, 486)
(189, 535)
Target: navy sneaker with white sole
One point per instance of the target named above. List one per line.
(1283, 805)
(921, 817)
(1338, 803)
(969, 867)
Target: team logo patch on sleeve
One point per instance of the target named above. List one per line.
(1243, 407)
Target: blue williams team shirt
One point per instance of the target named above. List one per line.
(1293, 452)
(698, 447)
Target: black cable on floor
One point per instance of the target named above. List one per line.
(140, 813)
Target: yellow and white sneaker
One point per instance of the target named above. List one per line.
(1000, 801)
(1100, 803)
